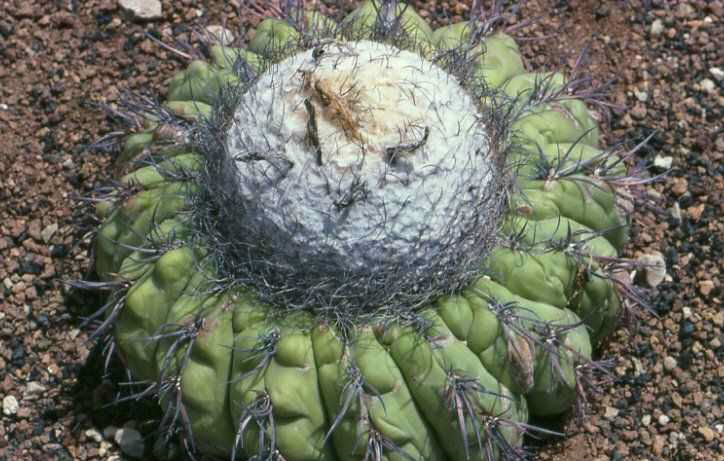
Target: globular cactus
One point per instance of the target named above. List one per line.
(362, 240)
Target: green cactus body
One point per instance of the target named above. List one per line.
(454, 378)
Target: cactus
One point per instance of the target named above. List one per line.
(362, 240)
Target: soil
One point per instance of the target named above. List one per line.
(61, 62)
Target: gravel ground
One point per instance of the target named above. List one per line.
(58, 60)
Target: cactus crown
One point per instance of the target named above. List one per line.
(354, 178)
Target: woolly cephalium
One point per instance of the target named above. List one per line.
(362, 239)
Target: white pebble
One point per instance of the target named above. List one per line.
(94, 435)
(669, 363)
(717, 73)
(707, 85)
(145, 10)
(10, 405)
(663, 162)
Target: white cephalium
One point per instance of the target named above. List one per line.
(369, 151)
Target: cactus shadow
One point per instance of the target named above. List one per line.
(99, 393)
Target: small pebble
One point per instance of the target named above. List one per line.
(718, 319)
(707, 433)
(653, 266)
(707, 85)
(48, 232)
(717, 73)
(685, 10)
(658, 446)
(664, 420)
(663, 162)
(686, 329)
(657, 27)
(669, 363)
(10, 405)
(705, 287)
(646, 420)
(673, 438)
(104, 448)
(94, 435)
(34, 388)
(680, 186)
(145, 10)
(610, 413)
(130, 441)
